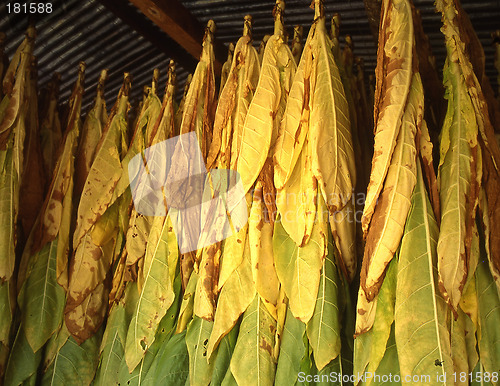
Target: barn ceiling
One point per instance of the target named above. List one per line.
(114, 34)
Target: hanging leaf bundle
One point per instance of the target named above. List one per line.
(469, 169)
(43, 275)
(13, 117)
(50, 125)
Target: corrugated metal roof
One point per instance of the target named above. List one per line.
(86, 30)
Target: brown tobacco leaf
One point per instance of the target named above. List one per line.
(32, 188)
(394, 73)
(50, 129)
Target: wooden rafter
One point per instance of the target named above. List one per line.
(128, 14)
(175, 20)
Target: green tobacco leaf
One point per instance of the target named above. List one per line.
(5, 311)
(8, 191)
(23, 362)
(253, 355)
(292, 350)
(369, 347)
(74, 364)
(323, 330)
(197, 336)
(298, 268)
(389, 365)
(164, 332)
(112, 347)
(422, 337)
(224, 354)
(44, 299)
(489, 315)
(157, 293)
(456, 169)
(173, 362)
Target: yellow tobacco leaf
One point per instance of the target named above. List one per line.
(297, 42)
(260, 237)
(329, 128)
(199, 105)
(295, 123)
(343, 225)
(180, 109)
(394, 74)
(106, 169)
(266, 110)
(298, 268)
(387, 225)
(234, 298)
(296, 201)
(206, 289)
(226, 67)
(91, 133)
(234, 102)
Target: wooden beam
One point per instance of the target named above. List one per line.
(175, 20)
(128, 14)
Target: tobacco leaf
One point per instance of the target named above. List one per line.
(112, 347)
(394, 76)
(253, 355)
(299, 268)
(489, 311)
(234, 298)
(106, 169)
(23, 362)
(372, 342)
(329, 128)
(456, 180)
(223, 359)
(157, 293)
(50, 127)
(260, 236)
(197, 335)
(200, 103)
(261, 125)
(32, 188)
(92, 130)
(295, 123)
(173, 362)
(296, 200)
(234, 102)
(387, 224)
(291, 351)
(75, 362)
(226, 67)
(323, 329)
(12, 132)
(417, 288)
(41, 298)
